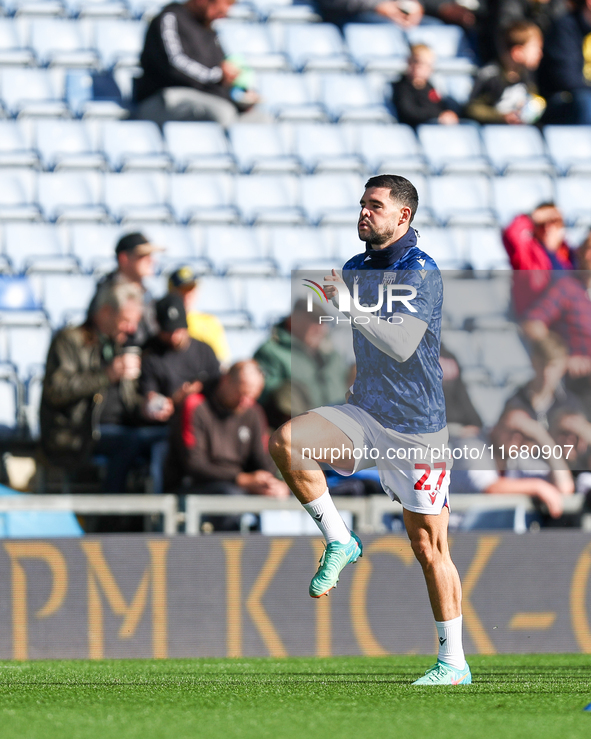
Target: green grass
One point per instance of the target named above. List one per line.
(513, 697)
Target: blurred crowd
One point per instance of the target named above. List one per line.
(533, 59)
(145, 385)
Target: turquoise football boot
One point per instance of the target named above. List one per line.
(334, 558)
(444, 674)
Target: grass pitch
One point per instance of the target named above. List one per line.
(347, 698)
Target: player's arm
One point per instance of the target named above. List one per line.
(398, 339)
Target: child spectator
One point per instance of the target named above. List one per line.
(415, 98)
(505, 92)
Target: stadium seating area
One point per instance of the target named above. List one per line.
(247, 205)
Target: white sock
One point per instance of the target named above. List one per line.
(450, 642)
(328, 519)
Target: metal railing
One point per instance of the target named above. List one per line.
(368, 511)
(166, 505)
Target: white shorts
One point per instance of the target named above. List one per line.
(409, 470)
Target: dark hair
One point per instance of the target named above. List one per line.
(401, 190)
(520, 32)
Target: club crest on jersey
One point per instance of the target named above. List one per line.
(389, 278)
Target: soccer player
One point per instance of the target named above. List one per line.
(395, 406)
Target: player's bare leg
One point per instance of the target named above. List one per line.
(428, 539)
(308, 431)
(306, 479)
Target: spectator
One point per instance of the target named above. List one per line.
(301, 368)
(90, 401)
(202, 326)
(505, 92)
(135, 262)
(545, 394)
(565, 72)
(219, 441)
(185, 74)
(572, 431)
(174, 365)
(536, 243)
(546, 481)
(405, 13)
(505, 13)
(415, 98)
(462, 418)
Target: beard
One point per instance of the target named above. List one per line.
(375, 237)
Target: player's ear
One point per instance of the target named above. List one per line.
(405, 214)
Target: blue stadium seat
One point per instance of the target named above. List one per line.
(202, 198)
(38, 247)
(219, 294)
(315, 47)
(198, 146)
(237, 250)
(17, 294)
(94, 246)
(17, 195)
(573, 197)
(268, 199)
(449, 44)
(458, 86)
(323, 148)
(65, 297)
(289, 97)
(260, 147)
(570, 148)
(285, 12)
(94, 95)
(484, 303)
(461, 200)
(267, 299)
(440, 245)
(377, 47)
(390, 148)
(332, 198)
(349, 97)
(33, 92)
(96, 8)
(27, 346)
(62, 43)
(145, 8)
(71, 196)
(34, 8)
(243, 343)
(252, 42)
(9, 393)
(343, 242)
(515, 194)
(451, 149)
(515, 149)
(299, 248)
(14, 51)
(181, 248)
(505, 357)
(134, 145)
(137, 196)
(483, 248)
(15, 146)
(119, 43)
(65, 144)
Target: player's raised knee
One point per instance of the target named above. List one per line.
(280, 442)
(423, 548)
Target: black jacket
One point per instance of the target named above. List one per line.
(563, 65)
(417, 105)
(180, 51)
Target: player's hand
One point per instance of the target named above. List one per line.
(332, 292)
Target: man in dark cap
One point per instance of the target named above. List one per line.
(135, 262)
(202, 326)
(174, 365)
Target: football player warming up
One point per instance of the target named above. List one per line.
(393, 294)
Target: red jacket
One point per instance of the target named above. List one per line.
(527, 253)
